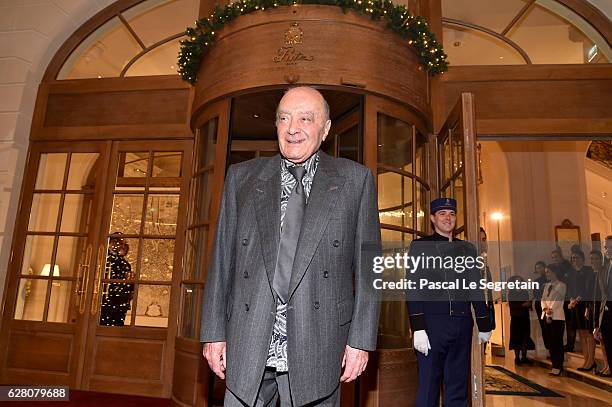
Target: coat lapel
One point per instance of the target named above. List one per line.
(267, 207)
(325, 192)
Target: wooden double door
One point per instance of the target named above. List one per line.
(92, 298)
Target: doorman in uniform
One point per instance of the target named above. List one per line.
(289, 307)
(441, 318)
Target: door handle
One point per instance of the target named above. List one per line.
(98, 279)
(82, 274)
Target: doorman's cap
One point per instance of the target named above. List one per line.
(442, 203)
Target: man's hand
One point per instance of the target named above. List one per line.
(484, 337)
(420, 341)
(354, 363)
(214, 353)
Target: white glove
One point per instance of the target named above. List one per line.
(483, 337)
(420, 341)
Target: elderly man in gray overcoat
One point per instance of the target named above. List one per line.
(289, 307)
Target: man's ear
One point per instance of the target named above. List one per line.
(432, 218)
(327, 128)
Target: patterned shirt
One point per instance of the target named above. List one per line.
(277, 353)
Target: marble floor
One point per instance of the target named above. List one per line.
(576, 393)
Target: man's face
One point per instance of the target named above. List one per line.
(556, 258)
(444, 220)
(483, 242)
(596, 261)
(608, 249)
(577, 261)
(301, 124)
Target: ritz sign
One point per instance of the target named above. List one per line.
(289, 53)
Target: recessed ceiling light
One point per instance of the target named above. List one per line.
(171, 66)
(99, 76)
(604, 194)
(256, 116)
(501, 57)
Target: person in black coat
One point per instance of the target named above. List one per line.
(520, 329)
(569, 278)
(580, 304)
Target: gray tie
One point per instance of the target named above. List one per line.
(292, 223)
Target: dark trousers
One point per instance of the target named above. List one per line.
(447, 362)
(570, 327)
(554, 332)
(274, 388)
(606, 333)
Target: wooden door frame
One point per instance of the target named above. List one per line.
(9, 324)
(162, 334)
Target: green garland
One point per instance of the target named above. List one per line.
(412, 28)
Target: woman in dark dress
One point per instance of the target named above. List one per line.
(580, 305)
(520, 329)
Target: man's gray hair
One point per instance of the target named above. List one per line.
(326, 112)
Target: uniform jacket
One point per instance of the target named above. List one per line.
(331, 301)
(456, 302)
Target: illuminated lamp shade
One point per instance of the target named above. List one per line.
(47, 269)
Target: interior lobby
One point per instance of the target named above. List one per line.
(118, 124)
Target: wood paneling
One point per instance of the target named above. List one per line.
(535, 100)
(113, 108)
(347, 51)
(135, 358)
(39, 351)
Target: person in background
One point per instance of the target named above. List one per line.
(520, 330)
(569, 277)
(581, 307)
(553, 298)
(596, 258)
(540, 278)
(603, 321)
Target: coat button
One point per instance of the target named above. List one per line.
(245, 242)
(336, 243)
(246, 274)
(246, 307)
(317, 305)
(325, 274)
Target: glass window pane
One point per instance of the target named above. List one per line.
(495, 15)
(37, 253)
(394, 142)
(421, 156)
(70, 254)
(159, 61)
(458, 195)
(549, 38)
(446, 157)
(457, 147)
(422, 208)
(407, 203)
(153, 305)
(82, 171)
(155, 20)
(127, 213)
(195, 257)
(133, 165)
(390, 198)
(167, 164)
(466, 46)
(59, 304)
(395, 239)
(207, 138)
(157, 259)
(162, 213)
(51, 168)
(203, 194)
(103, 54)
(75, 214)
(31, 297)
(189, 323)
(43, 215)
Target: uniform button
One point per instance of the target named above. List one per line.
(325, 274)
(336, 243)
(246, 307)
(246, 274)
(317, 305)
(245, 242)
